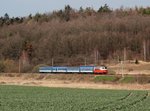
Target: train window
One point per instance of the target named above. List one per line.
(97, 68)
(103, 67)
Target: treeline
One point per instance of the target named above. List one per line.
(74, 37)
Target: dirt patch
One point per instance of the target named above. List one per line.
(68, 83)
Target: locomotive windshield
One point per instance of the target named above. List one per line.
(101, 67)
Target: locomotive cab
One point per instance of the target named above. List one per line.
(100, 70)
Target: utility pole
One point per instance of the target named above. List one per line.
(96, 56)
(144, 49)
(19, 68)
(125, 58)
(52, 61)
(122, 68)
(19, 60)
(85, 62)
(125, 54)
(148, 49)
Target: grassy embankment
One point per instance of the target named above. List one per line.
(125, 79)
(141, 79)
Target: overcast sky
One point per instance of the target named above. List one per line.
(26, 7)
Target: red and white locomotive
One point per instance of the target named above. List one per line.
(100, 70)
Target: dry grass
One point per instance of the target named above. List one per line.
(132, 68)
(70, 81)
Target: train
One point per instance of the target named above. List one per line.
(74, 69)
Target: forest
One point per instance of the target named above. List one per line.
(73, 37)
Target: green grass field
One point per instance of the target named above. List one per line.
(23, 98)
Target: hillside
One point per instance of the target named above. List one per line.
(74, 37)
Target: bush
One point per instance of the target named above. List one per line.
(26, 69)
(10, 66)
(2, 67)
(136, 61)
(36, 68)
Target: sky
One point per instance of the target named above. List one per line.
(21, 8)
